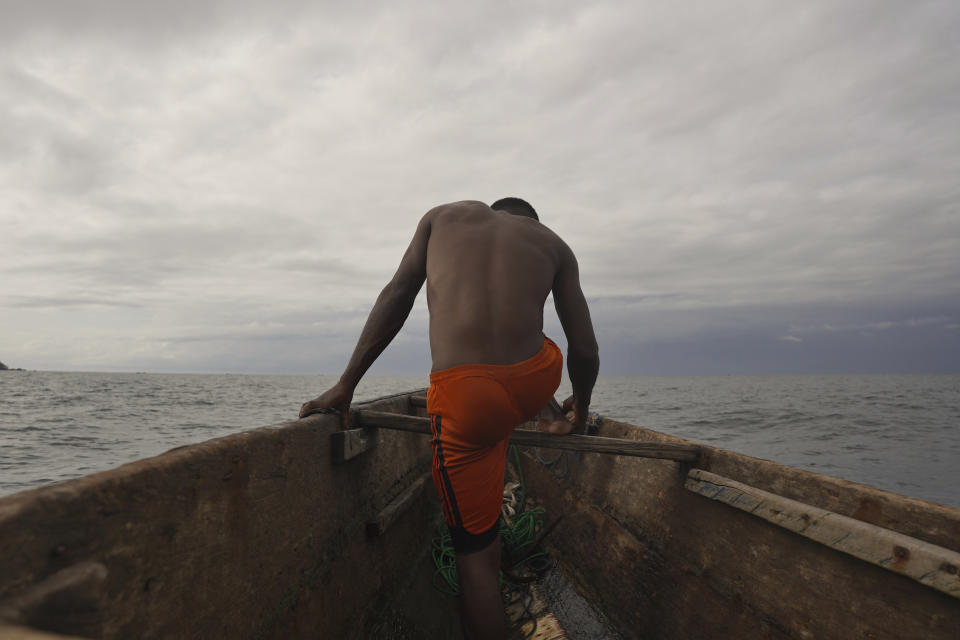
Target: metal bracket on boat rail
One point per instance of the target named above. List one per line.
(924, 562)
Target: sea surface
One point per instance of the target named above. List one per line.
(894, 432)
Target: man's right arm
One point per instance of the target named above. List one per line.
(583, 360)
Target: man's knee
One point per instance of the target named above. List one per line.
(482, 563)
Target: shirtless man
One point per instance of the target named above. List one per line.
(488, 272)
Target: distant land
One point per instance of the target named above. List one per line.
(4, 367)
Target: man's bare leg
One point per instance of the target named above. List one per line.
(481, 607)
(552, 420)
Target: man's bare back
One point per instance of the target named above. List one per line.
(488, 276)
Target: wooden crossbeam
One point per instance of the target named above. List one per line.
(523, 437)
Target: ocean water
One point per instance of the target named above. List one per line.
(894, 432)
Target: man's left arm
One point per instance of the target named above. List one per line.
(390, 311)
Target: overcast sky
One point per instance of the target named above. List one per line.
(750, 187)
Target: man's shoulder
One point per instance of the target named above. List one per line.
(456, 213)
(461, 206)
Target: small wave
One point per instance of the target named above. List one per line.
(73, 440)
(827, 436)
(905, 406)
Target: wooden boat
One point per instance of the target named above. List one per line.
(300, 531)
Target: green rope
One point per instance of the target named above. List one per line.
(445, 560)
(523, 488)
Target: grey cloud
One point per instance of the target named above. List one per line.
(134, 20)
(879, 325)
(48, 302)
(316, 262)
(254, 161)
(143, 255)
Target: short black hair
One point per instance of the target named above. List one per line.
(516, 205)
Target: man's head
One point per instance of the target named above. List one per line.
(516, 206)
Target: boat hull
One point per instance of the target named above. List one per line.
(254, 535)
(261, 535)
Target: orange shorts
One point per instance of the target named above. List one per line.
(473, 408)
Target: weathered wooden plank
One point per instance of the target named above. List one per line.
(68, 600)
(346, 445)
(11, 632)
(523, 437)
(378, 525)
(926, 563)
